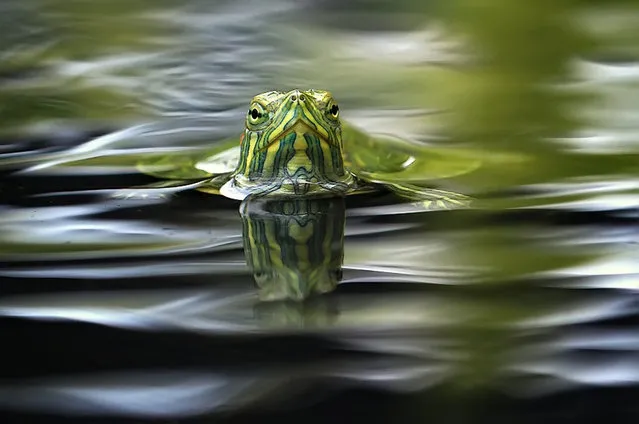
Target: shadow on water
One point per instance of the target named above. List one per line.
(194, 307)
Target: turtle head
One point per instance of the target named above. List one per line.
(275, 114)
(292, 145)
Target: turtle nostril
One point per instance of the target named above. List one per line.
(302, 98)
(294, 97)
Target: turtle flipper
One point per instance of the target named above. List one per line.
(384, 157)
(430, 199)
(181, 167)
(422, 199)
(194, 165)
(164, 189)
(403, 166)
(204, 171)
(221, 162)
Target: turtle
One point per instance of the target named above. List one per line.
(295, 145)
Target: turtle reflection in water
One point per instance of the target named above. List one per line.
(294, 247)
(295, 150)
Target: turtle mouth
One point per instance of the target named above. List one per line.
(299, 127)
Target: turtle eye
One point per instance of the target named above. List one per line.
(333, 110)
(256, 114)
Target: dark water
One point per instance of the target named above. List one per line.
(521, 309)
